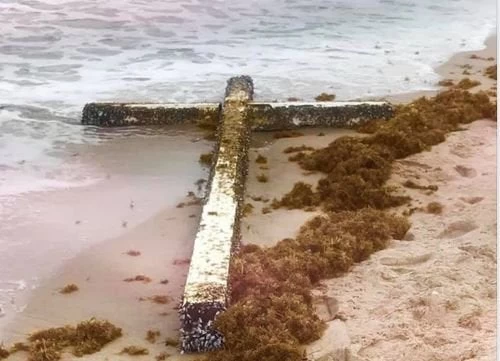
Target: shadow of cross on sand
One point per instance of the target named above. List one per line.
(206, 291)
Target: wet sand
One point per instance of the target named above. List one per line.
(133, 207)
(267, 229)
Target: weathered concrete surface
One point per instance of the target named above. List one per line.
(334, 345)
(264, 116)
(206, 292)
(121, 114)
(291, 115)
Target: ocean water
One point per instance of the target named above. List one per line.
(56, 55)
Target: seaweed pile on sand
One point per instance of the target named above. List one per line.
(325, 97)
(134, 351)
(4, 353)
(357, 168)
(466, 84)
(491, 72)
(69, 288)
(152, 336)
(86, 338)
(272, 314)
(206, 159)
(287, 134)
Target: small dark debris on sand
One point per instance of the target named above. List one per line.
(325, 97)
(287, 134)
(179, 262)
(434, 208)
(3, 352)
(194, 202)
(133, 253)
(152, 335)
(138, 278)
(262, 178)
(297, 157)
(159, 299)
(134, 351)
(18, 346)
(259, 199)
(297, 149)
(247, 209)
(491, 72)
(261, 159)
(206, 158)
(172, 342)
(446, 82)
(466, 84)
(69, 288)
(162, 356)
(411, 184)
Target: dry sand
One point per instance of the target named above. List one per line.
(433, 296)
(429, 298)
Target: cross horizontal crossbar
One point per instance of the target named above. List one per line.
(262, 116)
(128, 114)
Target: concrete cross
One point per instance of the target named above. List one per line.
(206, 292)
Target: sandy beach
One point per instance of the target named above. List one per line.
(430, 297)
(433, 295)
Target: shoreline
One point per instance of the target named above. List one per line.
(122, 306)
(453, 69)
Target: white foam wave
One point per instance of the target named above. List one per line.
(55, 56)
(32, 153)
(184, 51)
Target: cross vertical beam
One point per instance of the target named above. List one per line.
(206, 293)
